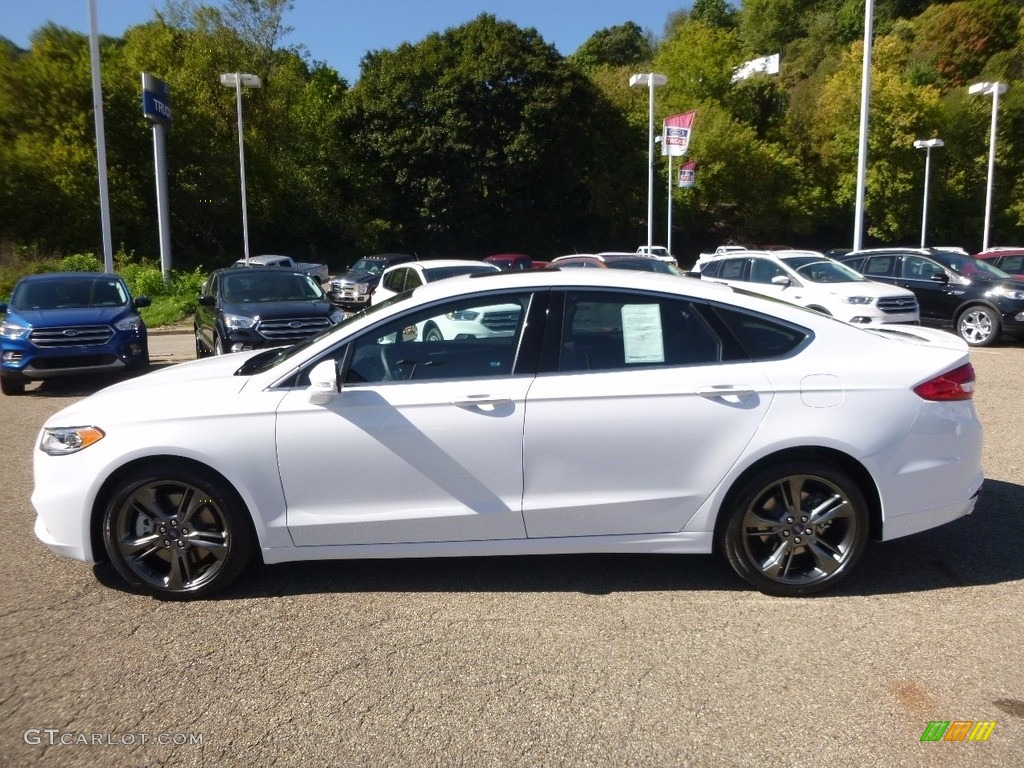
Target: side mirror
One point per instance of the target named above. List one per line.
(409, 333)
(781, 280)
(939, 277)
(323, 382)
(142, 301)
(207, 301)
(3, 308)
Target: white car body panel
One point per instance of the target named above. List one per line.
(561, 462)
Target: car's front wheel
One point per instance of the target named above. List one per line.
(796, 528)
(12, 385)
(176, 533)
(979, 326)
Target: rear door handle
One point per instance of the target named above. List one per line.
(726, 390)
(474, 401)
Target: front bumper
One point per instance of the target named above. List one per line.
(23, 359)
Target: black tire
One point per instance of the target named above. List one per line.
(796, 528)
(176, 533)
(431, 333)
(218, 345)
(979, 326)
(11, 385)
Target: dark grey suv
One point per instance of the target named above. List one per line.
(977, 300)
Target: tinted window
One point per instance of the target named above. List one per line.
(1013, 264)
(711, 269)
(762, 271)
(881, 266)
(467, 338)
(761, 337)
(920, 268)
(394, 280)
(616, 331)
(732, 269)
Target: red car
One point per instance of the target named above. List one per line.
(511, 262)
(1010, 260)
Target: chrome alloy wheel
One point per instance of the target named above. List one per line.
(799, 530)
(978, 326)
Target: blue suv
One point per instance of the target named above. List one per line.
(67, 323)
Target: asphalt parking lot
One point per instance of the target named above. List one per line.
(556, 661)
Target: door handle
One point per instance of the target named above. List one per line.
(726, 390)
(475, 401)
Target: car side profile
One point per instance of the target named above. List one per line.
(811, 279)
(405, 277)
(755, 429)
(976, 300)
(67, 324)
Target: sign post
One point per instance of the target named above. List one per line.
(156, 107)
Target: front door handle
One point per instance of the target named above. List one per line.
(476, 401)
(726, 390)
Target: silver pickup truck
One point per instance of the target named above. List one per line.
(317, 271)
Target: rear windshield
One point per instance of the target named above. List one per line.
(70, 293)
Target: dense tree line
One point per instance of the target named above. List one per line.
(484, 138)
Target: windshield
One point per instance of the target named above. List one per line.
(441, 273)
(70, 292)
(968, 266)
(819, 270)
(373, 266)
(245, 286)
(267, 359)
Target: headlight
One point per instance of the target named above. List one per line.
(859, 299)
(131, 323)
(1009, 293)
(60, 441)
(234, 322)
(337, 316)
(463, 314)
(362, 288)
(11, 330)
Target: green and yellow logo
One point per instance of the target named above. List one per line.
(958, 730)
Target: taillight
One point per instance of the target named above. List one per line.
(957, 384)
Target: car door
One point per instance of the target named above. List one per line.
(423, 442)
(644, 414)
(939, 292)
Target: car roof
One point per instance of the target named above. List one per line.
(240, 268)
(429, 264)
(61, 275)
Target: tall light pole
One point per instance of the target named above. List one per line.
(926, 145)
(651, 80)
(236, 80)
(862, 142)
(996, 89)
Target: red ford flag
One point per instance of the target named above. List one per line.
(676, 137)
(687, 175)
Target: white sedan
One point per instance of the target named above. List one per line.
(625, 412)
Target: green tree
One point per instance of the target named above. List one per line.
(620, 46)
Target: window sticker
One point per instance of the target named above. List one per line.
(641, 334)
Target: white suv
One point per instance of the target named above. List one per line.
(811, 279)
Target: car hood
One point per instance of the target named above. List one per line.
(866, 288)
(266, 310)
(56, 318)
(186, 388)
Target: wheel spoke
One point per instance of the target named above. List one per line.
(214, 542)
(823, 558)
(774, 564)
(833, 507)
(181, 570)
(140, 548)
(792, 489)
(756, 523)
(187, 505)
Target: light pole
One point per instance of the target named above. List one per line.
(236, 80)
(926, 145)
(996, 89)
(651, 80)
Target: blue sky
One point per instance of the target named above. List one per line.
(339, 32)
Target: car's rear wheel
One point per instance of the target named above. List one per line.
(12, 385)
(979, 326)
(796, 528)
(177, 533)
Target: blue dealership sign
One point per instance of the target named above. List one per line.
(156, 99)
